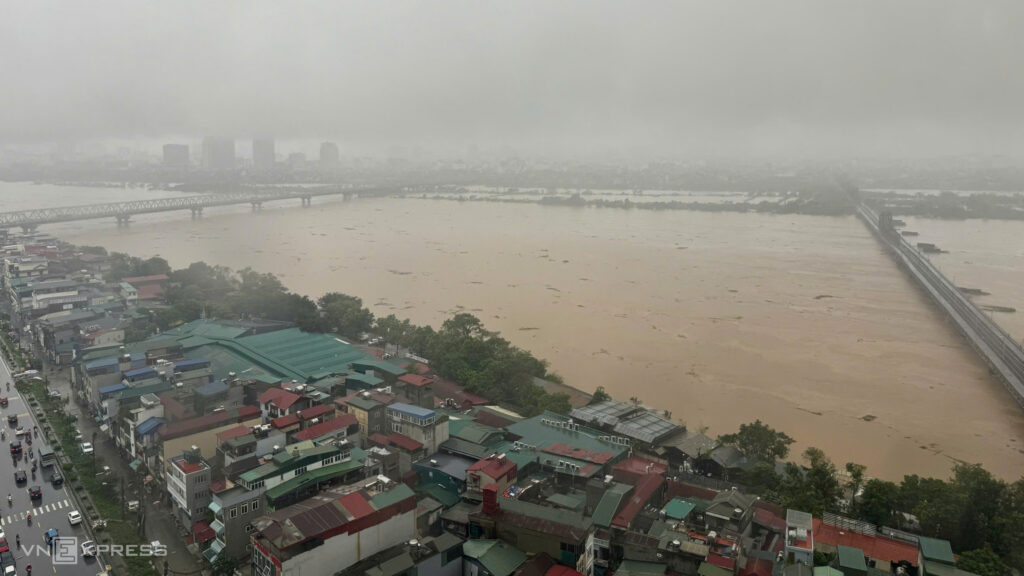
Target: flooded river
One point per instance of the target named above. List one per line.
(722, 318)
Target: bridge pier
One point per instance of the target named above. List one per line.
(307, 201)
(256, 206)
(197, 212)
(346, 196)
(26, 228)
(122, 219)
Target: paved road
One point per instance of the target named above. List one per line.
(51, 511)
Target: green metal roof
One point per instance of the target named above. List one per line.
(707, 569)
(368, 362)
(498, 558)
(538, 432)
(364, 404)
(935, 569)
(637, 568)
(366, 380)
(567, 501)
(851, 558)
(225, 361)
(475, 432)
(609, 504)
(446, 497)
(391, 497)
(521, 457)
(318, 475)
(284, 460)
(935, 549)
(826, 571)
(678, 509)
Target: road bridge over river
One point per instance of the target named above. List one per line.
(1003, 354)
(123, 211)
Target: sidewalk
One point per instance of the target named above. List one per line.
(159, 522)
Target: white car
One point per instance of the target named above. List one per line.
(74, 517)
(88, 549)
(86, 447)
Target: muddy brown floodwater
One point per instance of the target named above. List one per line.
(800, 321)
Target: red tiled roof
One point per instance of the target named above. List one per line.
(727, 563)
(230, 433)
(683, 490)
(629, 471)
(415, 380)
(404, 442)
(379, 438)
(769, 520)
(562, 449)
(645, 489)
(281, 398)
(202, 532)
(559, 570)
(316, 411)
(143, 279)
(188, 467)
(877, 547)
(492, 419)
(285, 421)
(448, 389)
(493, 468)
(343, 421)
(207, 421)
(757, 567)
(356, 504)
(218, 486)
(150, 292)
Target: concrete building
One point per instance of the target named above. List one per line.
(188, 483)
(370, 410)
(328, 154)
(799, 538)
(234, 508)
(176, 155)
(416, 389)
(334, 530)
(263, 155)
(219, 153)
(423, 425)
(497, 470)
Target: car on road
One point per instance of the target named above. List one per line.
(51, 535)
(19, 431)
(20, 477)
(12, 419)
(4, 402)
(88, 549)
(15, 448)
(53, 394)
(57, 479)
(4, 546)
(35, 492)
(86, 447)
(74, 517)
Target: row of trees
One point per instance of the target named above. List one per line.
(980, 515)
(462, 350)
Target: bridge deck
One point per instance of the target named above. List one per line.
(1003, 354)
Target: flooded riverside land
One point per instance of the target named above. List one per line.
(723, 318)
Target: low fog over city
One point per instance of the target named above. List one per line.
(454, 288)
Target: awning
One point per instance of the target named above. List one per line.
(135, 464)
(215, 507)
(104, 428)
(202, 532)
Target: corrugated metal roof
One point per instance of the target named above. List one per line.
(497, 557)
(149, 426)
(678, 509)
(609, 504)
(852, 558)
(935, 549)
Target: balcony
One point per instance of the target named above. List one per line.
(218, 527)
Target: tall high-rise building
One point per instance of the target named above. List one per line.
(176, 155)
(328, 153)
(219, 153)
(263, 153)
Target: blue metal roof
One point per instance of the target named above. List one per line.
(411, 410)
(144, 371)
(149, 426)
(185, 365)
(101, 363)
(212, 388)
(112, 389)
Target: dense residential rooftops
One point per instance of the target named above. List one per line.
(279, 397)
(415, 380)
(496, 467)
(497, 557)
(645, 488)
(208, 421)
(327, 427)
(416, 412)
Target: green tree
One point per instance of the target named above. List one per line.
(1009, 525)
(345, 314)
(763, 479)
(759, 441)
(855, 481)
(600, 396)
(878, 502)
(224, 565)
(983, 562)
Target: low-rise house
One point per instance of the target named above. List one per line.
(446, 470)
(370, 410)
(407, 450)
(416, 389)
(491, 558)
(150, 288)
(731, 512)
(234, 507)
(339, 428)
(431, 556)
(201, 431)
(799, 538)
(334, 530)
(571, 451)
(426, 426)
(495, 470)
(188, 483)
(277, 402)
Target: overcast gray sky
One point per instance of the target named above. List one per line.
(884, 77)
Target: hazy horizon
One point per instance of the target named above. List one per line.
(712, 79)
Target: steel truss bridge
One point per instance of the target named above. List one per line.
(1000, 351)
(123, 211)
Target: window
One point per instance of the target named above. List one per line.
(255, 504)
(233, 513)
(300, 470)
(249, 528)
(245, 508)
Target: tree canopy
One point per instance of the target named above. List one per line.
(759, 441)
